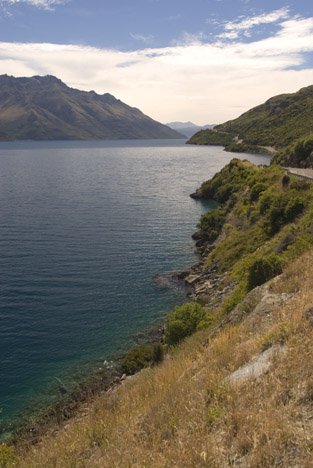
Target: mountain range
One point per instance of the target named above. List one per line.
(188, 129)
(45, 108)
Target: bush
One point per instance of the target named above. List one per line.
(141, 356)
(294, 208)
(263, 269)
(256, 191)
(183, 321)
(285, 242)
(280, 209)
(212, 223)
(266, 200)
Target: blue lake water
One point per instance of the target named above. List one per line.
(84, 228)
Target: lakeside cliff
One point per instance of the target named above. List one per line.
(239, 388)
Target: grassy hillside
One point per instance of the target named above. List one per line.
(187, 412)
(44, 108)
(193, 410)
(265, 221)
(211, 137)
(279, 122)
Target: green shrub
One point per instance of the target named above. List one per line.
(294, 208)
(285, 242)
(212, 223)
(183, 321)
(141, 356)
(266, 200)
(300, 184)
(263, 269)
(237, 295)
(256, 191)
(297, 154)
(228, 181)
(280, 209)
(275, 218)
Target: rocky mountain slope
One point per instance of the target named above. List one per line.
(44, 108)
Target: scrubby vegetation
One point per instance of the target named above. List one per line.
(278, 122)
(211, 137)
(8, 456)
(141, 356)
(298, 154)
(187, 413)
(236, 147)
(259, 206)
(212, 223)
(283, 122)
(184, 320)
(263, 269)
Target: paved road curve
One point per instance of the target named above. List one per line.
(305, 173)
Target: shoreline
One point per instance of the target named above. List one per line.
(30, 426)
(199, 282)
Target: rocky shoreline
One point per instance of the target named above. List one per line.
(201, 283)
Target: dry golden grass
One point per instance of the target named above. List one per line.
(184, 413)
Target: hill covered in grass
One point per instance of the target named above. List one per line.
(279, 122)
(236, 385)
(44, 108)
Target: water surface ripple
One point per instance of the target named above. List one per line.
(84, 227)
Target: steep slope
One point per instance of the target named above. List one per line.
(277, 123)
(238, 393)
(297, 154)
(44, 108)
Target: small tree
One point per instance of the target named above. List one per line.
(263, 269)
(183, 321)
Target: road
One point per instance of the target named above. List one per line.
(304, 173)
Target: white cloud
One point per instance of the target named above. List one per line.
(142, 38)
(45, 4)
(234, 29)
(203, 82)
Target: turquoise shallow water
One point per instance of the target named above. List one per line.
(84, 228)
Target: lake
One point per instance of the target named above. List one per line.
(84, 229)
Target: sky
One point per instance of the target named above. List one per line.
(204, 61)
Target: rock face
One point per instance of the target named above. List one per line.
(257, 366)
(44, 108)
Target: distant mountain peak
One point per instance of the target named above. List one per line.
(188, 129)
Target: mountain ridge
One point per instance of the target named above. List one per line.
(45, 108)
(278, 123)
(188, 129)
